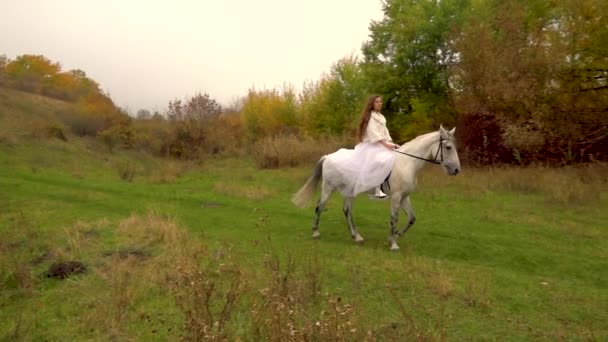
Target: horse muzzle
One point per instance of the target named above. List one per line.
(451, 170)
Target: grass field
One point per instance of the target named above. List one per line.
(216, 250)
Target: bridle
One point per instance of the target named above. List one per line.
(434, 160)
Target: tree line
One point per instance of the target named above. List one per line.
(524, 81)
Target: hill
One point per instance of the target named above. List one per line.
(28, 115)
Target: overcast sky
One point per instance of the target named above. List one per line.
(146, 53)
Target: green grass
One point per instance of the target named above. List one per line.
(496, 254)
(486, 263)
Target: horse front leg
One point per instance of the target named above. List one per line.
(348, 213)
(326, 191)
(406, 205)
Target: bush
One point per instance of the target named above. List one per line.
(152, 135)
(123, 134)
(57, 131)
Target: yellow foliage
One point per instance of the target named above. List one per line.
(269, 112)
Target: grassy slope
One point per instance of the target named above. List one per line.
(482, 262)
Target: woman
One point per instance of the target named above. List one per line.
(367, 166)
(373, 135)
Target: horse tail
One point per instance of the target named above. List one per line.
(304, 195)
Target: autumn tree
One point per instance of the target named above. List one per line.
(96, 112)
(37, 74)
(32, 73)
(539, 68)
(270, 112)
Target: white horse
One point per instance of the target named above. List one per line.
(436, 147)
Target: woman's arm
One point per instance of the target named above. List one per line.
(389, 145)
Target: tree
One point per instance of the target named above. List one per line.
(408, 57)
(270, 112)
(201, 107)
(192, 123)
(332, 105)
(540, 68)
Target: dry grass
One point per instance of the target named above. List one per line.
(170, 170)
(7, 137)
(291, 150)
(572, 185)
(147, 231)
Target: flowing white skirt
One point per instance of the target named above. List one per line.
(359, 170)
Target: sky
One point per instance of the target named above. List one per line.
(147, 53)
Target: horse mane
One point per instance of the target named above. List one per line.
(419, 138)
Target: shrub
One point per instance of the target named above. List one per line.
(123, 134)
(57, 131)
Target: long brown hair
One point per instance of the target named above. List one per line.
(365, 115)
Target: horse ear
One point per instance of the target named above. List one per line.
(442, 132)
(453, 130)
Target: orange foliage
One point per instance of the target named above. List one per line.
(94, 112)
(31, 73)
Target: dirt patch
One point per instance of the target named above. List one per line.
(62, 270)
(211, 205)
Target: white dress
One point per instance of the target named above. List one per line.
(365, 167)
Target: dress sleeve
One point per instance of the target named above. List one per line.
(374, 131)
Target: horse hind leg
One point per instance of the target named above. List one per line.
(348, 213)
(395, 206)
(326, 191)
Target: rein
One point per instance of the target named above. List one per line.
(434, 160)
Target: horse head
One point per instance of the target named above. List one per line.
(447, 150)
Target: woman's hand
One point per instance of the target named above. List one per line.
(389, 145)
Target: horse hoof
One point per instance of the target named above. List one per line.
(395, 248)
(316, 235)
(359, 239)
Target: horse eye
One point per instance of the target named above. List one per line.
(449, 147)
